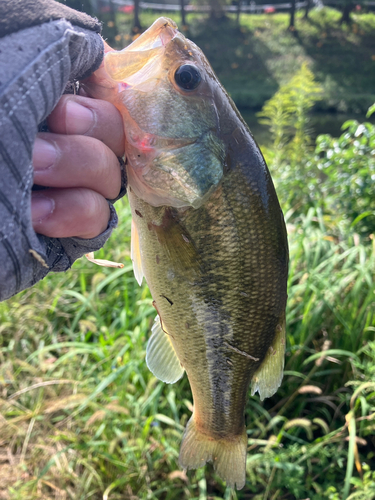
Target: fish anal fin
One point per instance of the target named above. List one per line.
(227, 455)
(268, 377)
(135, 254)
(161, 358)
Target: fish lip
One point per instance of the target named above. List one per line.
(163, 30)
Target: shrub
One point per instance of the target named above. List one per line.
(348, 168)
(339, 176)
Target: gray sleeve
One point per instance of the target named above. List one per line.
(35, 65)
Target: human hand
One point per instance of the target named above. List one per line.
(78, 163)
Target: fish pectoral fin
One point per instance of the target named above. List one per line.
(178, 245)
(161, 358)
(227, 455)
(135, 254)
(268, 377)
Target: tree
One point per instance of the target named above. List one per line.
(238, 12)
(216, 9)
(307, 9)
(292, 14)
(346, 8)
(136, 22)
(183, 13)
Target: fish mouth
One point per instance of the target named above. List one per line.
(137, 58)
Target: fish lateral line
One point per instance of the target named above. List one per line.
(241, 352)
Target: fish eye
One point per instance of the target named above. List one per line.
(187, 77)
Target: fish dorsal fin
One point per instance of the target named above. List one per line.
(161, 358)
(135, 254)
(268, 377)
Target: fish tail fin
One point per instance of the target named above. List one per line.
(227, 455)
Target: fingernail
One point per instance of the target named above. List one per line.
(79, 119)
(44, 154)
(41, 207)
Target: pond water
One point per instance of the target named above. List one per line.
(321, 123)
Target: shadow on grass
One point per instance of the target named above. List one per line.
(344, 61)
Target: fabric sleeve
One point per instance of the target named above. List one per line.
(35, 65)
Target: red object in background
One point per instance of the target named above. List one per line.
(126, 8)
(357, 7)
(269, 10)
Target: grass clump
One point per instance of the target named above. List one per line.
(82, 417)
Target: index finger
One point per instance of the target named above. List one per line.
(77, 115)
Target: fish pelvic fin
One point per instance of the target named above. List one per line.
(161, 358)
(227, 455)
(267, 379)
(135, 254)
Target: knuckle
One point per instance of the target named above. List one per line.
(93, 213)
(107, 172)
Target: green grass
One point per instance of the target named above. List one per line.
(253, 60)
(83, 418)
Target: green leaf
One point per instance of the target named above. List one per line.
(370, 111)
(330, 352)
(360, 217)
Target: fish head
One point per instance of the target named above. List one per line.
(167, 95)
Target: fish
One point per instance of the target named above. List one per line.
(208, 235)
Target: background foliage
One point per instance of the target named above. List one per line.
(83, 418)
(254, 59)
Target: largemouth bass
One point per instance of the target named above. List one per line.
(208, 235)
